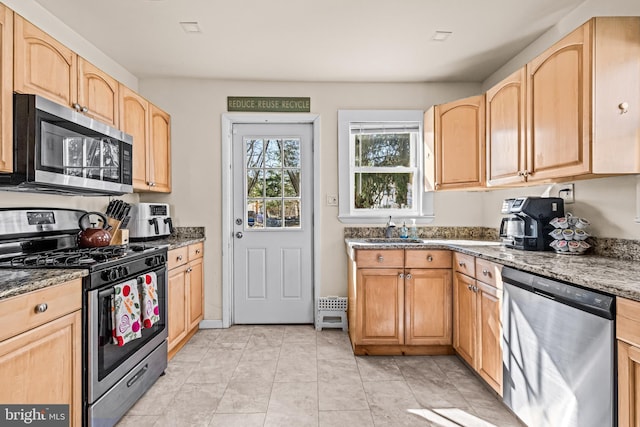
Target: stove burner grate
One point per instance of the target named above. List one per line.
(68, 257)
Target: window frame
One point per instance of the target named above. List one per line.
(422, 209)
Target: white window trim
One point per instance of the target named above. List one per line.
(423, 201)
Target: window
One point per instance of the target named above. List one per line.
(380, 159)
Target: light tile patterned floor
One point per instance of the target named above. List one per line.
(280, 376)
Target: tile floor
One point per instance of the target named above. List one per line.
(294, 376)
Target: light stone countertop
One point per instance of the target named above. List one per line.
(610, 275)
(19, 281)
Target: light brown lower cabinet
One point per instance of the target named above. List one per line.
(186, 295)
(41, 348)
(396, 307)
(477, 327)
(628, 336)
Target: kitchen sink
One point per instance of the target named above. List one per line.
(393, 240)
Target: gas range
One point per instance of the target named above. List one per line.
(47, 238)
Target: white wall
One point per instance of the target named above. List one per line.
(196, 107)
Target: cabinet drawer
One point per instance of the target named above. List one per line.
(489, 272)
(195, 251)
(18, 314)
(380, 258)
(425, 258)
(178, 257)
(628, 321)
(465, 264)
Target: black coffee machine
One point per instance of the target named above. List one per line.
(527, 226)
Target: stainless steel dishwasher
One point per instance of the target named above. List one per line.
(558, 352)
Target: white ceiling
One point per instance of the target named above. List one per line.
(305, 40)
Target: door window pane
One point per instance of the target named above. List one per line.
(272, 191)
(273, 153)
(292, 183)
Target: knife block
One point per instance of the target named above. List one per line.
(120, 237)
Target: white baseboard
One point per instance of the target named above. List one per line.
(211, 324)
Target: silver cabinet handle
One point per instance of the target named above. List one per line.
(429, 258)
(401, 275)
(485, 272)
(189, 270)
(474, 288)
(409, 276)
(239, 235)
(461, 263)
(469, 287)
(197, 251)
(179, 258)
(76, 106)
(380, 258)
(84, 109)
(41, 308)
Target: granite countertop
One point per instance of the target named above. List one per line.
(610, 275)
(20, 281)
(174, 242)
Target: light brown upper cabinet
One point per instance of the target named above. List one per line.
(583, 103)
(159, 171)
(45, 67)
(506, 146)
(150, 128)
(455, 145)
(6, 89)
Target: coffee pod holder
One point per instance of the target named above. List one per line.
(570, 235)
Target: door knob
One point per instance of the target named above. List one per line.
(239, 234)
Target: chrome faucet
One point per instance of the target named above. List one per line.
(388, 233)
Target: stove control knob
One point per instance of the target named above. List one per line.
(113, 274)
(105, 275)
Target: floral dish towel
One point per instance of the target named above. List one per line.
(125, 306)
(149, 298)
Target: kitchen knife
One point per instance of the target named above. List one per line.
(119, 209)
(109, 211)
(125, 212)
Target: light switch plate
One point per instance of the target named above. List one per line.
(566, 192)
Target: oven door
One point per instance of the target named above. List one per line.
(106, 362)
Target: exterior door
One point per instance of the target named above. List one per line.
(273, 223)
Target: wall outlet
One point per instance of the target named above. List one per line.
(332, 200)
(565, 191)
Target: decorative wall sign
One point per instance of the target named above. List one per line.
(268, 104)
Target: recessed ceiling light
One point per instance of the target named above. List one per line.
(190, 26)
(441, 36)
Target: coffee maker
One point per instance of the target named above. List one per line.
(149, 221)
(527, 225)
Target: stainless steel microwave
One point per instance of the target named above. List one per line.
(59, 150)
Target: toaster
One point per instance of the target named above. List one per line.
(149, 221)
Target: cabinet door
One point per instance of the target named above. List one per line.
(459, 144)
(428, 300)
(558, 108)
(44, 366)
(134, 120)
(6, 89)
(160, 151)
(489, 363)
(42, 65)
(506, 148)
(98, 93)
(177, 317)
(628, 385)
(464, 317)
(195, 292)
(380, 306)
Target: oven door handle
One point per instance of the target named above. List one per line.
(138, 375)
